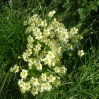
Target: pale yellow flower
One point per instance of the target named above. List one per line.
(63, 70)
(51, 13)
(51, 78)
(74, 30)
(21, 83)
(47, 86)
(34, 81)
(14, 69)
(44, 77)
(39, 66)
(81, 53)
(34, 91)
(24, 73)
(56, 69)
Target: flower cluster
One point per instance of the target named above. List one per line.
(47, 40)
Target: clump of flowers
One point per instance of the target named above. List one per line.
(47, 40)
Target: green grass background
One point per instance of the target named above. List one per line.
(82, 79)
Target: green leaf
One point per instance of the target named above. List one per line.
(98, 3)
(80, 11)
(47, 48)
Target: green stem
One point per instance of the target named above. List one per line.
(3, 83)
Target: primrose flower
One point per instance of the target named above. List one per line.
(23, 89)
(56, 69)
(38, 46)
(29, 45)
(36, 51)
(29, 52)
(14, 69)
(40, 87)
(51, 78)
(47, 61)
(31, 61)
(27, 86)
(38, 36)
(51, 13)
(34, 91)
(47, 86)
(74, 39)
(57, 81)
(30, 39)
(41, 23)
(69, 47)
(50, 55)
(74, 30)
(81, 53)
(34, 81)
(24, 86)
(21, 83)
(39, 66)
(46, 32)
(25, 56)
(63, 70)
(45, 23)
(64, 36)
(24, 73)
(44, 77)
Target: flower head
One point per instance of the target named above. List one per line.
(51, 78)
(47, 86)
(56, 69)
(51, 13)
(81, 53)
(63, 70)
(34, 91)
(24, 73)
(34, 81)
(44, 77)
(14, 69)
